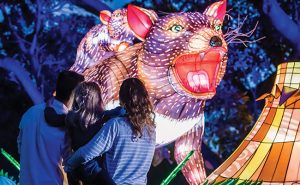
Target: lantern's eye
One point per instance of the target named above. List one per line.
(218, 27)
(215, 41)
(176, 28)
(118, 14)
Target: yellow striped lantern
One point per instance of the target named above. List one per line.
(271, 151)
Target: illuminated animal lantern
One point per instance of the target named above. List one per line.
(104, 40)
(181, 60)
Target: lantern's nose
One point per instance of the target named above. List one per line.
(215, 41)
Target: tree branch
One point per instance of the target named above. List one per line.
(37, 27)
(23, 76)
(21, 41)
(281, 21)
(93, 6)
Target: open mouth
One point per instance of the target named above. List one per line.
(198, 72)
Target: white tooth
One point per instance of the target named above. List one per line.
(190, 80)
(204, 81)
(192, 84)
(196, 79)
(201, 56)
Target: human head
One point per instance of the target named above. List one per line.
(135, 99)
(87, 103)
(66, 83)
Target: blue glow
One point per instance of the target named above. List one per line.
(27, 30)
(1, 16)
(7, 9)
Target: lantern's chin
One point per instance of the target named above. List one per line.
(197, 73)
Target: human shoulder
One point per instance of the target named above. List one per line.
(31, 114)
(33, 109)
(116, 122)
(37, 107)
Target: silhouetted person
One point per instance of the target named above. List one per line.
(42, 147)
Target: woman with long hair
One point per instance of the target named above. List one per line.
(83, 122)
(86, 105)
(86, 110)
(128, 142)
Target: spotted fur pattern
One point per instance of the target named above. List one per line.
(103, 40)
(181, 61)
(152, 60)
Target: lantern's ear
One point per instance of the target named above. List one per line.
(105, 16)
(216, 11)
(140, 20)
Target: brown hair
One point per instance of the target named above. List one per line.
(86, 105)
(135, 99)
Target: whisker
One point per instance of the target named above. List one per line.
(234, 35)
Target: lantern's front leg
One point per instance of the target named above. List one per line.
(193, 170)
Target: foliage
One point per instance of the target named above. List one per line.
(5, 174)
(42, 37)
(12, 160)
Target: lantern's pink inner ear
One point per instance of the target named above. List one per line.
(105, 16)
(138, 21)
(217, 10)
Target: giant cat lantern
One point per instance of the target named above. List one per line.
(181, 59)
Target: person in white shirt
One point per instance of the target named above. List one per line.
(42, 147)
